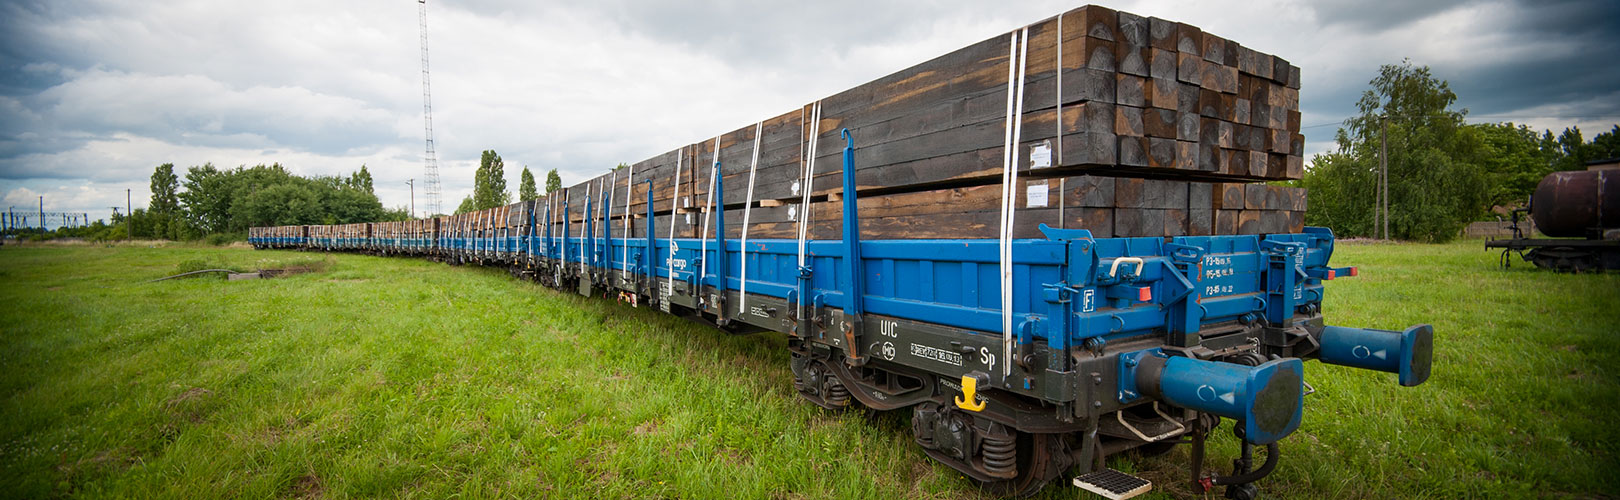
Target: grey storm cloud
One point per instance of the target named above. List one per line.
(1380, 15)
(1542, 51)
(94, 93)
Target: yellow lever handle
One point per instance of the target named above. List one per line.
(968, 401)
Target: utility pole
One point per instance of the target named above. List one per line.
(412, 182)
(1383, 176)
(129, 218)
(41, 214)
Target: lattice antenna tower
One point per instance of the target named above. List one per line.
(430, 161)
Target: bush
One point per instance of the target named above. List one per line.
(220, 239)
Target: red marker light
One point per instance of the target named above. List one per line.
(1354, 271)
(1144, 294)
(1332, 274)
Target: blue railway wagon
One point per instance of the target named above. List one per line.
(1022, 360)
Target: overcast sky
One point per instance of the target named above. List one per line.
(94, 94)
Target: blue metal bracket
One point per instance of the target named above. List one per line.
(648, 254)
(1059, 298)
(1324, 238)
(802, 308)
(562, 243)
(854, 268)
(585, 238)
(1128, 391)
(1285, 262)
(1056, 234)
(722, 271)
(545, 245)
(1181, 294)
(607, 231)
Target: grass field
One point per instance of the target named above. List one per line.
(401, 377)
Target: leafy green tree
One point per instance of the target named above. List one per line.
(1514, 160)
(138, 223)
(1435, 183)
(207, 198)
(1577, 152)
(362, 180)
(1606, 145)
(230, 201)
(467, 205)
(399, 213)
(489, 182)
(165, 204)
(344, 203)
(526, 190)
(282, 204)
(553, 181)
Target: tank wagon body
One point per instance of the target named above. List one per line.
(1581, 211)
(1115, 344)
(1128, 285)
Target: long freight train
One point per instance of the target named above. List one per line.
(1087, 348)
(1109, 301)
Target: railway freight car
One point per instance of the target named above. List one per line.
(1087, 348)
(1114, 280)
(1581, 210)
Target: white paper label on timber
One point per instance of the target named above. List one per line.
(795, 187)
(1040, 155)
(793, 213)
(1037, 194)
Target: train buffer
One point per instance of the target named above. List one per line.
(1113, 484)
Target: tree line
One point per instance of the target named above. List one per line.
(1443, 173)
(223, 203)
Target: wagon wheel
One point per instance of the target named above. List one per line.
(1037, 465)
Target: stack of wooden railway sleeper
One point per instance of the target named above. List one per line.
(1127, 126)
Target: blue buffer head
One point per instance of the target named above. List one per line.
(1267, 399)
(1408, 353)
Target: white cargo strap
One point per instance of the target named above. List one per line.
(629, 190)
(1009, 180)
(674, 205)
(809, 160)
(748, 208)
(584, 218)
(708, 215)
(562, 246)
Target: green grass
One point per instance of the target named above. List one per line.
(401, 377)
